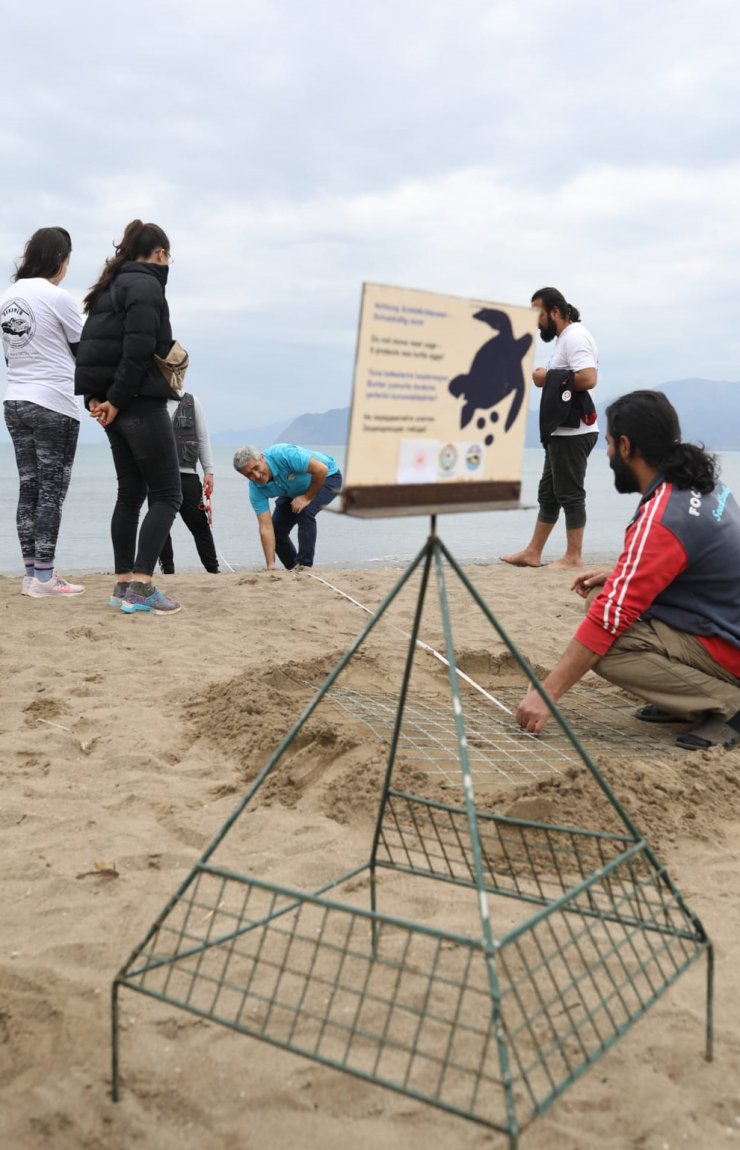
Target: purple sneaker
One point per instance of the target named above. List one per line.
(146, 597)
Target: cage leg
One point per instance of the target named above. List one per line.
(114, 1041)
(709, 1053)
(427, 557)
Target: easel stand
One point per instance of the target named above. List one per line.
(492, 1026)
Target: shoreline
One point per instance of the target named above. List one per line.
(377, 566)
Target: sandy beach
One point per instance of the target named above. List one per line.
(127, 742)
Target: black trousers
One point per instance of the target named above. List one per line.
(196, 521)
(145, 456)
(284, 520)
(563, 479)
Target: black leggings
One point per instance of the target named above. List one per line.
(45, 443)
(145, 456)
(196, 520)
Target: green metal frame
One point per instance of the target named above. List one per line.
(492, 1028)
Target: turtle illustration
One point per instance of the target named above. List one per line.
(495, 372)
(14, 326)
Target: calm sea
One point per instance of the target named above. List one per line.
(472, 537)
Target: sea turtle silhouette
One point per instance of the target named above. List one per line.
(14, 326)
(496, 370)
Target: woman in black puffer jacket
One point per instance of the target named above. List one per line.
(128, 323)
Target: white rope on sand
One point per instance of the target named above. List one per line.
(419, 643)
(225, 562)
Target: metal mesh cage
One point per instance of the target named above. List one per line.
(575, 934)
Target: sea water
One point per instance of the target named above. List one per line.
(343, 541)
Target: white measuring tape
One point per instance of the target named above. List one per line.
(419, 643)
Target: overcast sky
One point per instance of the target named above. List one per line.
(293, 149)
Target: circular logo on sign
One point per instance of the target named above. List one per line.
(447, 457)
(17, 323)
(473, 457)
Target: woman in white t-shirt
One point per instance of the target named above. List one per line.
(41, 326)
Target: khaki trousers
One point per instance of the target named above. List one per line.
(671, 669)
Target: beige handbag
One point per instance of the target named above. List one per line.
(174, 365)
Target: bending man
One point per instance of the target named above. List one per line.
(666, 624)
(302, 482)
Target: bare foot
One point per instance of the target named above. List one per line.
(565, 564)
(522, 559)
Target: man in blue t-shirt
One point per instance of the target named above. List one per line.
(302, 482)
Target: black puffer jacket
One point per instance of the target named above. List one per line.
(125, 328)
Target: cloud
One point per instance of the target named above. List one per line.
(293, 151)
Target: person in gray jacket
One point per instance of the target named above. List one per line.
(193, 447)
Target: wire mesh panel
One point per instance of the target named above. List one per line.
(386, 1000)
(413, 1008)
(532, 861)
(499, 750)
(577, 976)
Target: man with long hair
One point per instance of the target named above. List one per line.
(665, 624)
(572, 437)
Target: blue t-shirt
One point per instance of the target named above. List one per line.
(290, 474)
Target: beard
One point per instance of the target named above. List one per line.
(624, 478)
(549, 331)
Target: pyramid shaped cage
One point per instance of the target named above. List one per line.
(577, 932)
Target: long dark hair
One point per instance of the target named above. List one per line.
(44, 254)
(649, 420)
(138, 240)
(551, 298)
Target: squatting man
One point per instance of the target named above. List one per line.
(665, 623)
(302, 482)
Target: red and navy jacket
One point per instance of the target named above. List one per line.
(680, 564)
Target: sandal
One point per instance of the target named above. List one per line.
(652, 714)
(715, 732)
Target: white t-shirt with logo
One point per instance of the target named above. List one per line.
(39, 321)
(575, 350)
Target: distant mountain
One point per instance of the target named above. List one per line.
(329, 427)
(708, 410)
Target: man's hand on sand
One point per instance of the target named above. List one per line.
(584, 583)
(532, 713)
